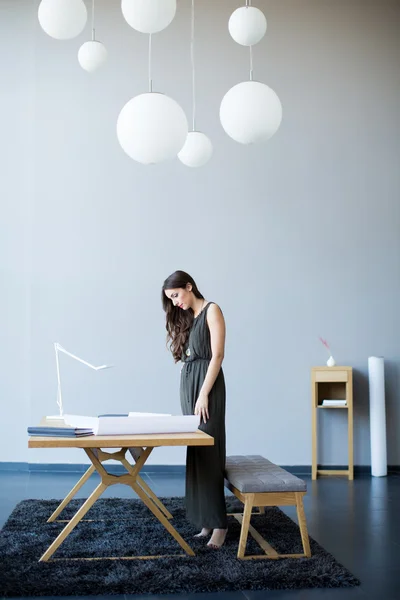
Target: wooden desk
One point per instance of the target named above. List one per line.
(140, 447)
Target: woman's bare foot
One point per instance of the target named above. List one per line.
(217, 538)
(203, 533)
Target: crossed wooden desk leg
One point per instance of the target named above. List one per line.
(133, 480)
(102, 457)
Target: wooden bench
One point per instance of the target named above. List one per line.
(257, 482)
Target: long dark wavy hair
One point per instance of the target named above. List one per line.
(178, 321)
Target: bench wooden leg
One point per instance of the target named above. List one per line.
(259, 501)
(244, 532)
(303, 524)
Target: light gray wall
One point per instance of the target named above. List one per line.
(294, 239)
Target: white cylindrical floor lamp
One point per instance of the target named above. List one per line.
(377, 415)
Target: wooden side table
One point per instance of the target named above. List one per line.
(332, 383)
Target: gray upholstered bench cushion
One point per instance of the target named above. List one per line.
(257, 474)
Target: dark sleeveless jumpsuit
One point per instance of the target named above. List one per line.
(205, 465)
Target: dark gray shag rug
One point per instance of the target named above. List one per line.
(126, 528)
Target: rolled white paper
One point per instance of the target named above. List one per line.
(147, 425)
(377, 415)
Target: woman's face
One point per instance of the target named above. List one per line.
(180, 297)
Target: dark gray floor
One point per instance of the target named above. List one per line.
(358, 522)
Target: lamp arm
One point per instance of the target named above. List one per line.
(58, 348)
(61, 349)
(59, 396)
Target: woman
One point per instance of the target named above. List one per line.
(196, 336)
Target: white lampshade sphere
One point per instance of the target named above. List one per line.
(250, 112)
(148, 16)
(152, 128)
(62, 19)
(92, 55)
(197, 150)
(247, 25)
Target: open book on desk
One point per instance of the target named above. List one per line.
(129, 425)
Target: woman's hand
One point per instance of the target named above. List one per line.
(201, 407)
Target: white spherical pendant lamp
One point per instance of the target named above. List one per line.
(152, 128)
(62, 19)
(92, 55)
(197, 150)
(250, 112)
(148, 16)
(247, 25)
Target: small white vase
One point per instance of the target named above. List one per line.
(331, 362)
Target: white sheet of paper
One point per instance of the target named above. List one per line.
(147, 414)
(81, 421)
(147, 425)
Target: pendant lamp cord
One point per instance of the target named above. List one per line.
(248, 3)
(93, 30)
(193, 71)
(150, 79)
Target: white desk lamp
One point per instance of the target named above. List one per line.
(58, 349)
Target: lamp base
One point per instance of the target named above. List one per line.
(55, 418)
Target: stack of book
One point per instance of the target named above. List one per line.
(63, 430)
(334, 402)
